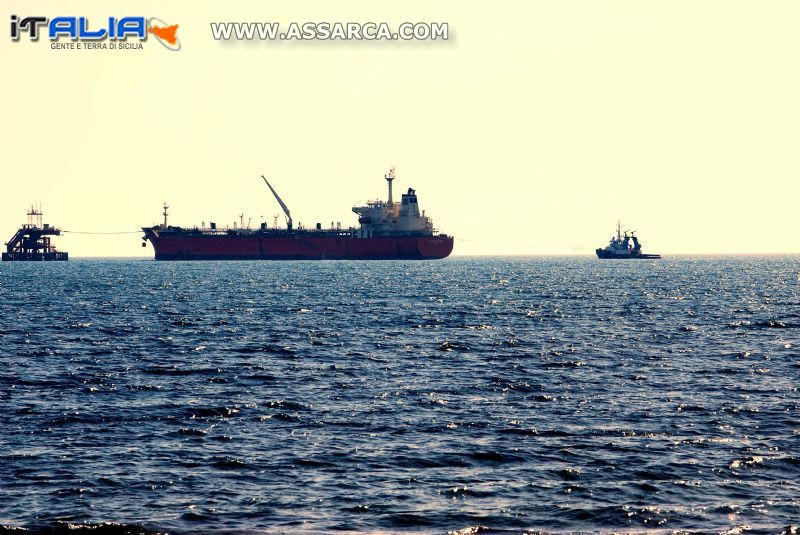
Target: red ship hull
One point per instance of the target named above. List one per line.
(295, 247)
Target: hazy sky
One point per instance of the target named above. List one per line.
(531, 131)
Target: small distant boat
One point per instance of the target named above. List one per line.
(620, 247)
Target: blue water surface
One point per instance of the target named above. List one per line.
(556, 394)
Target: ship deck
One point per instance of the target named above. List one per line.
(198, 232)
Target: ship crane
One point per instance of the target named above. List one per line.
(283, 206)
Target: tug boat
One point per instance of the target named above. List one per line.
(620, 247)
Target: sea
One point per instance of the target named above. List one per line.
(469, 395)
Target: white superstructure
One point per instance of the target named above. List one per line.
(391, 218)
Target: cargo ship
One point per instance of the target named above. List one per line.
(387, 230)
(620, 248)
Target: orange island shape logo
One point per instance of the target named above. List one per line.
(166, 33)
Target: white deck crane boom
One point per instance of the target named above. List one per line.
(283, 205)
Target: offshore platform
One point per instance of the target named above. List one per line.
(31, 243)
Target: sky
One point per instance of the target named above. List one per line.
(531, 130)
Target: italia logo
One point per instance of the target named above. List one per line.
(131, 30)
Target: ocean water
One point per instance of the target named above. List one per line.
(553, 394)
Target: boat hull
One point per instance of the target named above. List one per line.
(300, 247)
(605, 255)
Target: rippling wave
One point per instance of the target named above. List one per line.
(482, 395)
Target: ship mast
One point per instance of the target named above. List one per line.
(389, 177)
(283, 206)
(619, 230)
(165, 214)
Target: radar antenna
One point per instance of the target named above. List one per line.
(283, 206)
